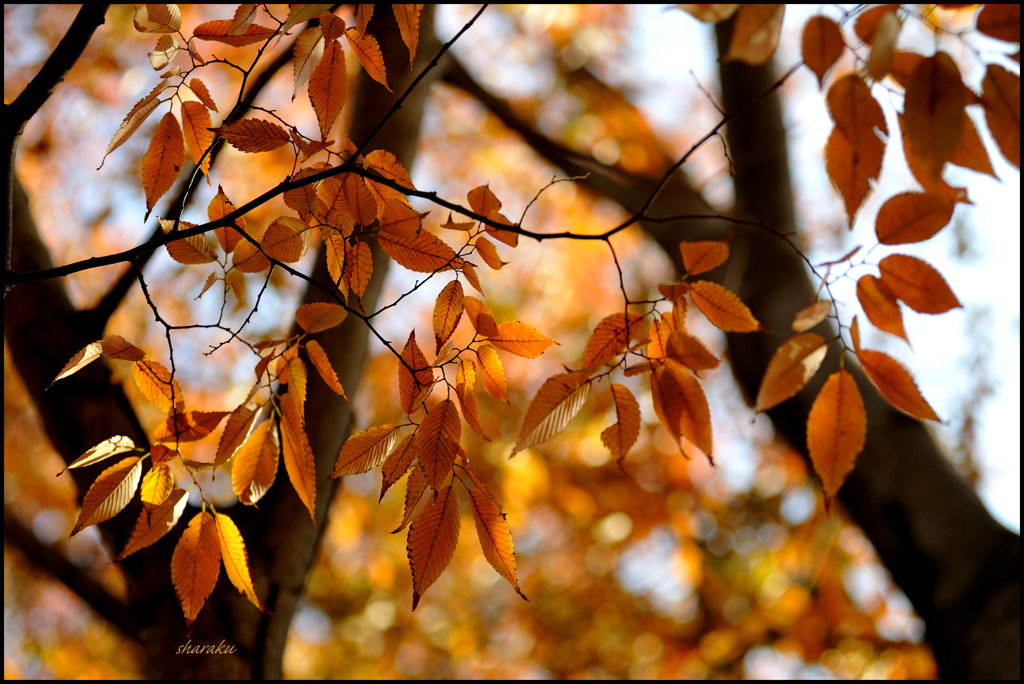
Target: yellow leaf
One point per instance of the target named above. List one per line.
(408, 17)
(156, 485)
(387, 165)
(195, 565)
(364, 13)
(235, 431)
(365, 450)
(413, 385)
(368, 52)
(334, 249)
(918, 284)
(469, 271)
(622, 435)
(253, 135)
(400, 219)
(191, 250)
(163, 160)
(236, 559)
(219, 31)
(432, 539)
(135, 118)
(83, 358)
(557, 401)
(520, 339)
(681, 405)
(447, 312)
(323, 366)
(723, 308)
(436, 441)
(298, 458)
(425, 253)
(109, 493)
(328, 88)
(895, 384)
(493, 373)
(155, 382)
(755, 33)
(153, 523)
(195, 121)
(610, 338)
(255, 463)
(836, 427)
(792, 366)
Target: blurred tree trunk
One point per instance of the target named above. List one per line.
(83, 410)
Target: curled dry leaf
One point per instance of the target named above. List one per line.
(157, 19)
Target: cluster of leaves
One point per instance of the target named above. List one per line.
(352, 198)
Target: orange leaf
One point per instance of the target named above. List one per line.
(810, 316)
(286, 239)
(690, 351)
(723, 308)
(221, 206)
(387, 165)
(235, 431)
(255, 466)
(191, 250)
(557, 402)
(358, 199)
(480, 316)
(432, 539)
(482, 201)
(792, 366)
(467, 401)
(161, 454)
(971, 153)
(365, 450)
(323, 366)
(334, 26)
(425, 253)
(492, 371)
(253, 135)
(918, 284)
(1001, 22)
(166, 47)
(822, 45)
(157, 18)
(109, 447)
(681, 405)
(195, 121)
(218, 31)
(298, 458)
(436, 441)
(610, 338)
(520, 339)
(471, 277)
(487, 251)
(700, 256)
(319, 316)
(367, 51)
(203, 93)
(195, 565)
(397, 464)
(249, 259)
(116, 347)
(155, 382)
(153, 523)
(836, 427)
(880, 306)
(415, 384)
(494, 534)
(305, 199)
(912, 217)
(755, 33)
(622, 435)
(853, 155)
(934, 111)
(408, 17)
(364, 13)
(334, 248)
(1000, 97)
(416, 497)
(110, 493)
(895, 384)
(401, 220)
(299, 13)
(328, 88)
(236, 559)
(868, 21)
(188, 427)
(447, 312)
(359, 267)
(308, 51)
(163, 160)
(661, 329)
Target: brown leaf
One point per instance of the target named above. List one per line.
(792, 366)
(489, 253)
(163, 160)
(203, 93)
(253, 135)
(465, 377)
(681, 405)
(400, 219)
(853, 155)
(494, 534)
(895, 384)
(436, 441)
(432, 539)
(249, 259)
(425, 253)
(821, 45)
(328, 88)
(298, 458)
(365, 450)
(622, 435)
(447, 312)
(319, 316)
(359, 267)
(109, 493)
(690, 351)
(235, 431)
(912, 217)
(153, 523)
(836, 427)
(1000, 97)
(880, 306)
(919, 285)
(195, 565)
(556, 403)
(220, 206)
(810, 316)
(218, 31)
(116, 347)
(1001, 22)
(934, 111)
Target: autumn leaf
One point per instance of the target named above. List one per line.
(109, 447)
(253, 135)
(249, 259)
(610, 338)
(195, 249)
(109, 493)
(298, 458)
(365, 450)
(387, 165)
(690, 351)
(135, 118)
(723, 308)
(971, 153)
(755, 33)
(408, 17)
(919, 285)
(195, 565)
(218, 31)
(880, 306)
(359, 200)
(480, 317)
(791, 367)
(556, 403)
(367, 51)
(494, 534)
(492, 372)
(255, 463)
(883, 45)
(286, 239)
(335, 252)
(166, 47)
(436, 441)
(432, 539)
(853, 154)
(235, 431)
(934, 111)
(472, 278)
(323, 366)
(195, 122)
(116, 347)
(219, 207)
(80, 360)
(400, 219)
(489, 253)
(156, 485)
(810, 316)
(465, 378)
(162, 163)
(895, 384)
(203, 93)
(700, 256)
(306, 55)
(319, 316)
(188, 427)
(155, 382)
(328, 87)
(912, 217)
(520, 339)
(622, 435)
(157, 19)
(243, 18)
(305, 199)
(836, 427)
(447, 312)
(415, 384)
(236, 559)
(153, 523)
(397, 464)
(681, 405)
(425, 253)
(821, 46)
(359, 268)
(1000, 98)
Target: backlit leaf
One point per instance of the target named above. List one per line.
(286, 239)
(480, 316)
(912, 217)
(358, 199)
(304, 12)
(243, 18)
(358, 267)
(397, 464)
(681, 405)
(425, 253)
(219, 207)
(335, 251)
(408, 17)
(304, 199)
(1000, 97)
(188, 427)
(306, 55)
(413, 385)
(810, 316)
(328, 87)
(135, 118)
(319, 316)
(249, 259)
(880, 306)
(195, 122)
(83, 358)
(622, 435)
(755, 33)
(153, 523)
(195, 565)
(363, 15)
(482, 200)
(235, 431)
(432, 539)
(853, 154)
(436, 441)
(821, 45)
(556, 403)
(610, 338)
(116, 347)
(690, 351)
(109, 493)
(365, 450)
(494, 534)
(155, 382)
(723, 308)
(102, 451)
(520, 339)
(298, 458)
(465, 377)
(883, 46)
(971, 153)
(195, 249)
(156, 484)
(895, 384)
(919, 285)
(934, 111)
(417, 497)
(472, 278)
(400, 219)
(700, 256)
(218, 31)
(253, 135)
(367, 51)
(157, 19)
(492, 372)
(255, 463)
(792, 366)
(323, 366)
(166, 47)
(1001, 22)
(836, 427)
(236, 559)
(162, 163)
(489, 253)
(447, 312)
